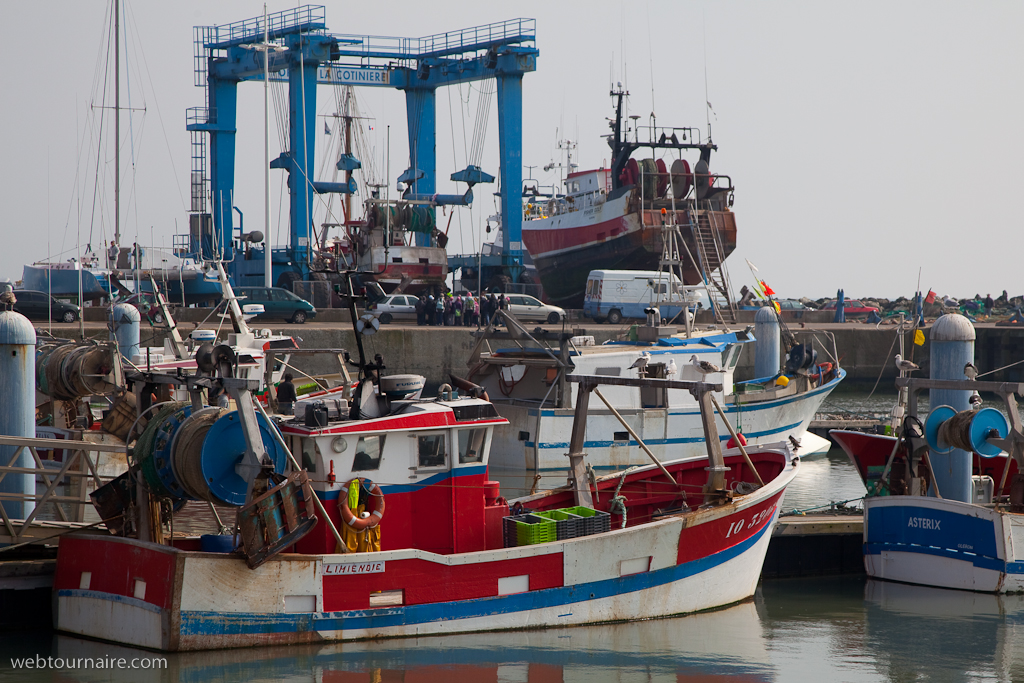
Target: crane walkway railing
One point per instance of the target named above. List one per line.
(68, 511)
(471, 39)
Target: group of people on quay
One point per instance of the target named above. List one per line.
(459, 310)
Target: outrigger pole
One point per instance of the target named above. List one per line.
(714, 489)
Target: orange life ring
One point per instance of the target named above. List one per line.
(823, 369)
(376, 514)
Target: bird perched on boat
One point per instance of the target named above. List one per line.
(975, 401)
(7, 299)
(795, 441)
(970, 371)
(703, 366)
(671, 369)
(906, 365)
(641, 363)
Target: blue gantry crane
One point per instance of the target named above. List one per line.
(308, 54)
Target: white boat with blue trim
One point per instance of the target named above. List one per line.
(969, 541)
(528, 384)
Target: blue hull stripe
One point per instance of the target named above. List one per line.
(979, 561)
(664, 442)
(194, 623)
(408, 488)
(729, 410)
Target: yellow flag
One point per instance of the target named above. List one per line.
(919, 337)
(778, 309)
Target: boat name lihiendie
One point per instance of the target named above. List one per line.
(354, 568)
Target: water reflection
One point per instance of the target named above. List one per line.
(723, 645)
(944, 634)
(827, 629)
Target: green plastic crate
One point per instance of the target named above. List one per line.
(530, 532)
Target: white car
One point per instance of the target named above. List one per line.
(525, 307)
(395, 307)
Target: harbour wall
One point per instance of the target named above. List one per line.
(864, 351)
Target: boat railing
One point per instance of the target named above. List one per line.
(64, 503)
(682, 136)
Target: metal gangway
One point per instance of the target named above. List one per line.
(64, 503)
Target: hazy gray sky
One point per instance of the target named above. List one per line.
(865, 140)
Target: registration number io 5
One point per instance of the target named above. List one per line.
(742, 524)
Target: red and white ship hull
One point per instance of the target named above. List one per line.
(172, 599)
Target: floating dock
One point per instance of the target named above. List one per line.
(815, 545)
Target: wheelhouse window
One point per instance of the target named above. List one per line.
(471, 445)
(431, 450)
(310, 454)
(368, 450)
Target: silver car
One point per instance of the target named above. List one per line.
(395, 307)
(526, 307)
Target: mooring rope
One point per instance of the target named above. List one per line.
(618, 504)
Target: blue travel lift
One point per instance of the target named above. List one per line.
(229, 54)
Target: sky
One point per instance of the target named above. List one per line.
(870, 143)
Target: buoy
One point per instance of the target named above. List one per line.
(782, 381)
(731, 443)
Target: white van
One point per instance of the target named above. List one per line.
(615, 295)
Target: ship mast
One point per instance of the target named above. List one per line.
(616, 141)
(117, 125)
(348, 150)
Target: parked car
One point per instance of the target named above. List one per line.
(526, 307)
(40, 306)
(784, 304)
(395, 307)
(277, 303)
(851, 307)
(792, 305)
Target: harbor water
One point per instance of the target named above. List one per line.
(843, 628)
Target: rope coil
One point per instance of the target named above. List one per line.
(956, 431)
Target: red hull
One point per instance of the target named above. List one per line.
(873, 450)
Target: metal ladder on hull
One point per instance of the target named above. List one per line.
(711, 265)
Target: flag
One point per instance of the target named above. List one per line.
(327, 129)
(930, 299)
(919, 338)
(752, 266)
(778, 309)
(767, 290)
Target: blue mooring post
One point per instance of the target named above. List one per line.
(840, 306)
(767, 348)
(17, 406)
(952, 338)
(126, 319)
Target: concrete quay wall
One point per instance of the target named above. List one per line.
(864, 351)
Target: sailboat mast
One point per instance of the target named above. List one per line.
(268, 266)
(117, 125)
(348, 150)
